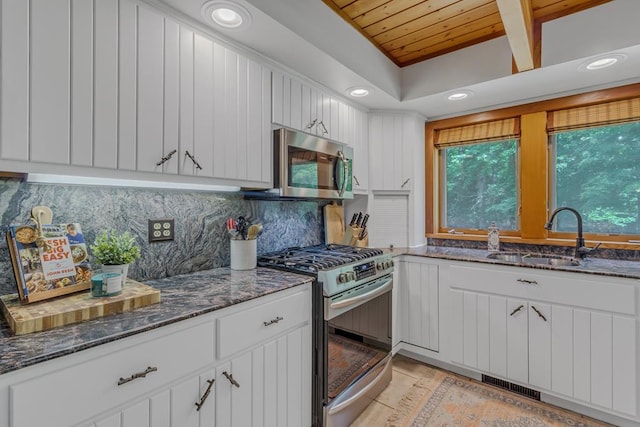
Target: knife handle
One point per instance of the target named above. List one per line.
(353, 219)
(359, 219)
(364, 221)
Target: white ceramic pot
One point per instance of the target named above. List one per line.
(122, 269)
(243, 254)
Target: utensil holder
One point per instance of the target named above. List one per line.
(243, 254)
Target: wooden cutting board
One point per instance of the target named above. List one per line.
(333, 223)
(73, 308)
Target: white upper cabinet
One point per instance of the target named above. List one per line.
(394, 138)
(358, 137)
(119, 85)
(300, 106)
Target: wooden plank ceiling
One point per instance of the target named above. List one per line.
(411, 31)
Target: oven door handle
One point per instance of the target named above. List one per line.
(339, 407)
(385, 287)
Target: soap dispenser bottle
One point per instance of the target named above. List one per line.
(493, 239)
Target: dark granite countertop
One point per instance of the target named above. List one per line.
(182, 297)
(600, 266)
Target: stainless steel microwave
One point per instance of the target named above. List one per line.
(308, 166)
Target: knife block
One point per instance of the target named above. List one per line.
(351, 237)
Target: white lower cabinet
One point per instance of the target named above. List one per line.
(519, 324)
(172, 377)
(418, 303)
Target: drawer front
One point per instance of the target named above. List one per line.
(581, 290)
(248, 327)
(77, 393)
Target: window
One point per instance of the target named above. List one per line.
(516, 165)
(479, 185)
(596, 171)
(478, 167)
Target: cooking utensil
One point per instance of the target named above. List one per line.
(334, 223)
(43, 214)
(253, 231)
(241, 226)
(231, 228)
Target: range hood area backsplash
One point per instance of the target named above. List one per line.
(201, 241)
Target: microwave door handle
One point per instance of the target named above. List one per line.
(345, 171)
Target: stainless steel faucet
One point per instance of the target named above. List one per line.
(581, 250)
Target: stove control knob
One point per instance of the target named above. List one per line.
(392, 263)
(342, 278)
(351, 276)
(379, 266)
(387, 264)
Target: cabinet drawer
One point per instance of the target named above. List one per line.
(251, 326)
(74, 394)
(583, 290)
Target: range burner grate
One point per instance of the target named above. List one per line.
(312, 259)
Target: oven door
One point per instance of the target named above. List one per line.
(348, 300)
(309, 166)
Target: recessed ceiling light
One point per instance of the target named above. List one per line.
(602, 62)
(226, 14)
(358, 91)
(459, 95)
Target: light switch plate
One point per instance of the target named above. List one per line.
(161, 230)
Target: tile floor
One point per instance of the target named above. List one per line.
(405, 373)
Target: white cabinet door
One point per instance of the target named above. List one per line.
(358, 136)
(267, 386)
(418, 304)
(156, 108)
(392, 138)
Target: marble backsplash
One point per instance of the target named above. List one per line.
(201, 239)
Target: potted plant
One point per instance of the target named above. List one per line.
(115, 251)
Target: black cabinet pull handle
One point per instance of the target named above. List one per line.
(520, 307)
(528, 282)
(230, 378)
(205, 395)
(137, 375)
(276, 320)
(539, 314)
(167, 157)
(193, 159)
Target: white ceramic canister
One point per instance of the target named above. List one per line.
(243, 254)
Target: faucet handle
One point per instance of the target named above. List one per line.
(583, 250)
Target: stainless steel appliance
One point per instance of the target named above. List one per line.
(352, 325)
(308, 166)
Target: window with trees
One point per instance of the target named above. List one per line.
(516, 165)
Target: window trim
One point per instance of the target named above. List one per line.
(534, 147)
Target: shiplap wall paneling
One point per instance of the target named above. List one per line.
(14, 129)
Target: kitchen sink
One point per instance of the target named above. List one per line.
(534, 258)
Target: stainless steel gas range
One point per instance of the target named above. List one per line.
(352, 325)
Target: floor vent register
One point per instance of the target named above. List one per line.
(515, 388)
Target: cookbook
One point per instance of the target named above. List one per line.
(58, 266)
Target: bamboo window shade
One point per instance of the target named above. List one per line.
(497, 130)
(616, 112)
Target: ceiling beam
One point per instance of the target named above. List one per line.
(517, 18)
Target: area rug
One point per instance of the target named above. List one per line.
(347, 359)
(445, 399)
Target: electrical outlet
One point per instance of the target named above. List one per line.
(161, 230)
